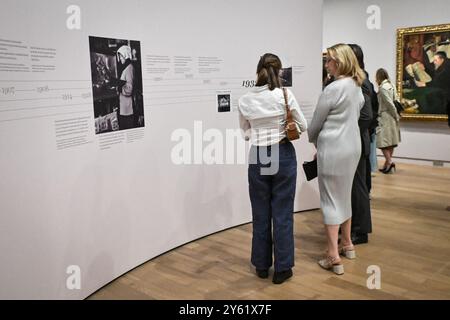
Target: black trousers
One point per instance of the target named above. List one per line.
(126, 122)
(361, 216)
(448, 112)
(368, 174)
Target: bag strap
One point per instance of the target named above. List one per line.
(393, 92)
(288, 112)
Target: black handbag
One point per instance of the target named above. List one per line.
(310, 168)
(397, 105)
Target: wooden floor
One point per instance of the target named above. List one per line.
(410, 243)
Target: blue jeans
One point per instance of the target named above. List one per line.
(272, 198)
(373, 153)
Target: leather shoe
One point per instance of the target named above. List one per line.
(280, 277)
(359, 238)
(262, 273)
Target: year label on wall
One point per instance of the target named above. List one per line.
(248, 83)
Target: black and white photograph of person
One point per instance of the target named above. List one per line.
(286, 77)
(224, 102)
(116, 84)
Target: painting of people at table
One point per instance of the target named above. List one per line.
(426, 73)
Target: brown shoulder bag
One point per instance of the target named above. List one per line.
(292, 131)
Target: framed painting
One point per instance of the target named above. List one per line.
(423, 71)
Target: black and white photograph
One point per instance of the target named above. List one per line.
(224, 102)
(286, 77)
(116, 84)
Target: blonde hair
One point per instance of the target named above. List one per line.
(347, 64)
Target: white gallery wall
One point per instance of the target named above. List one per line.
(346, 21)
(78, 209)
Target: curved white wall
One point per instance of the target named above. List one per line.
(345, 21)
(109, 210)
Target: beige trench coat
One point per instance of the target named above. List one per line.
(388, 130)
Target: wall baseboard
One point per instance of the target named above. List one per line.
(419, 161)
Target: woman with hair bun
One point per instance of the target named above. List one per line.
(126, 116)
(262, 114)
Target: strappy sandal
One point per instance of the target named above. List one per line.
(348, 252)
(332, 263)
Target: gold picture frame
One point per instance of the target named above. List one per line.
(416, 47)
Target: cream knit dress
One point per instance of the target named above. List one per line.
(335, 132)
